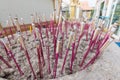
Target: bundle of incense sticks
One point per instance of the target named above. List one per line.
(41, 50)
(21, 41)
(90, 45)
(27, 54)
(10, 55)
(100, 48)
(67, 50)
(56, 57)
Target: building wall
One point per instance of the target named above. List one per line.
(23, 8)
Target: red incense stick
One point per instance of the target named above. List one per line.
(1, 58)
(48, 57)
(55, 65)
(73, 56)
(40, 62)
(67, 50)
(19, 69)
(28, 58)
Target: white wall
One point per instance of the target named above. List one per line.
(23, 8)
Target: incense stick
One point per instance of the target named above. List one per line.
(1, 58)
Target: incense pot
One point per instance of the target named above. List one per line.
(67, 50)
(56, 58)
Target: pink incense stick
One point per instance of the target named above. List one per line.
(55, 65)
(73, 56)
(19, 69)
(78, 42)
(86, 28)
(8, 56)
(48, 57)
(55, 44)
(28, 58)
(67, 50)
(40, 62)
(1, 58)
(43, 60)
